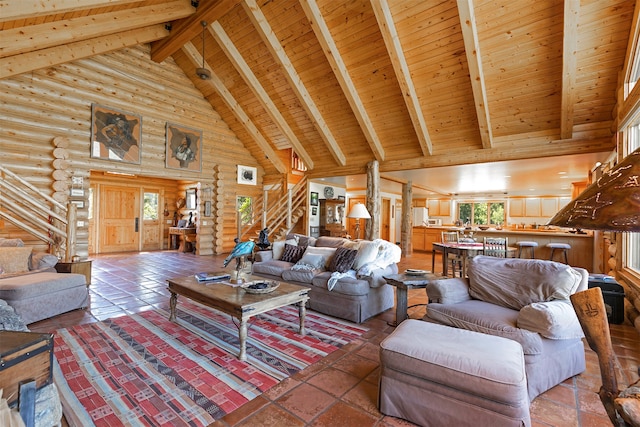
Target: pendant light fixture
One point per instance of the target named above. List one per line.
(203, 73)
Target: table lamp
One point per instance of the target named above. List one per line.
(358, 211)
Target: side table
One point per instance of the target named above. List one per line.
(80, 267)
(403, 282)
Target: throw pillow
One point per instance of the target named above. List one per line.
(15, 260)
(367, 252)
(310, 262)
(556, 320)
(327, 253)
(42, 260)
(292, 253)
(278, 247)
(343, 259)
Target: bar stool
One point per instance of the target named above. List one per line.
(564, 247)
(524, 245)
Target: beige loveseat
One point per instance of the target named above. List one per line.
(345, 276)
(30, 284)
(525, 300)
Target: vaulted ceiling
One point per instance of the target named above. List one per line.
(410, 83)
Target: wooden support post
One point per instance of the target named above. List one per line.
(406, 227)
(372, 226)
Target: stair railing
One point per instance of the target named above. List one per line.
(37, 213)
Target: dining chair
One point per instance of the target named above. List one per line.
(454, 260)
(495, 246)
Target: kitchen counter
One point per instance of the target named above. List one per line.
(580, 255)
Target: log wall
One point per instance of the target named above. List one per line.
(41, 107)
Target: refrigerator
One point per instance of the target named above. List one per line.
(420, 216)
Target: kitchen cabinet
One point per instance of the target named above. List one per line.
(532, 207)
(516, 207)
(548, 206)
(423, 238)
(439, 207)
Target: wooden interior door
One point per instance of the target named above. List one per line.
(119, 219)
(385, 220)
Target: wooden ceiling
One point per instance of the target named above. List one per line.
(410, 83)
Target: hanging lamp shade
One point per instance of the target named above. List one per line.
(612, 203)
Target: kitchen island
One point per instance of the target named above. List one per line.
(580, 255)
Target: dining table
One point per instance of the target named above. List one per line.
(463, 249)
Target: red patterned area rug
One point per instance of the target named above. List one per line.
(142, 370)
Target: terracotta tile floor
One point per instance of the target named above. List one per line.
(340, 390)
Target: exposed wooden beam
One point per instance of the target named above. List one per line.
(186, 29)
(26, 62)
(259, 91)
(339, 68)
(499, 152)
(476, 74)
(216, 82)
(569, 60)
(401, 68)
(19, 9)
(277, 51)
(31, 38)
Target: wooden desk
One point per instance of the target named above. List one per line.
(180, 232)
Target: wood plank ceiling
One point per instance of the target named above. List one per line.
(411, 83)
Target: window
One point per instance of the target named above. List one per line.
(477, 213)
(150, 209)
(632, 240)
(245, 208)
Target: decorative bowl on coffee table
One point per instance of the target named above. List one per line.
(260, 286)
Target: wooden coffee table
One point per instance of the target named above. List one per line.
(236, 302)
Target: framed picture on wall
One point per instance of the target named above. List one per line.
(314, 199)
(115, 135)
(247, 175)
(314, 211)
(183, 147)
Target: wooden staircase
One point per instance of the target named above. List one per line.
(279, 210)
(38, 214)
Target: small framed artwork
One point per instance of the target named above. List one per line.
(207, 208)
(247, 175)
(314, 211)
(340, 197)
(183, 148)
(115, 135)
(79, 203)
(314, 198)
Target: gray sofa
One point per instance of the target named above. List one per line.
(355, 295)
(30, 284)
(525, 300)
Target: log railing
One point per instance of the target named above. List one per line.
(31, 210)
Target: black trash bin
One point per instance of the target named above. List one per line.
(613, 294)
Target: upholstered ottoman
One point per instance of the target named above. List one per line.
(435, 375)
(38, 296)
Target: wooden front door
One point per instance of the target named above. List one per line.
(119, 219)
(152, 216)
